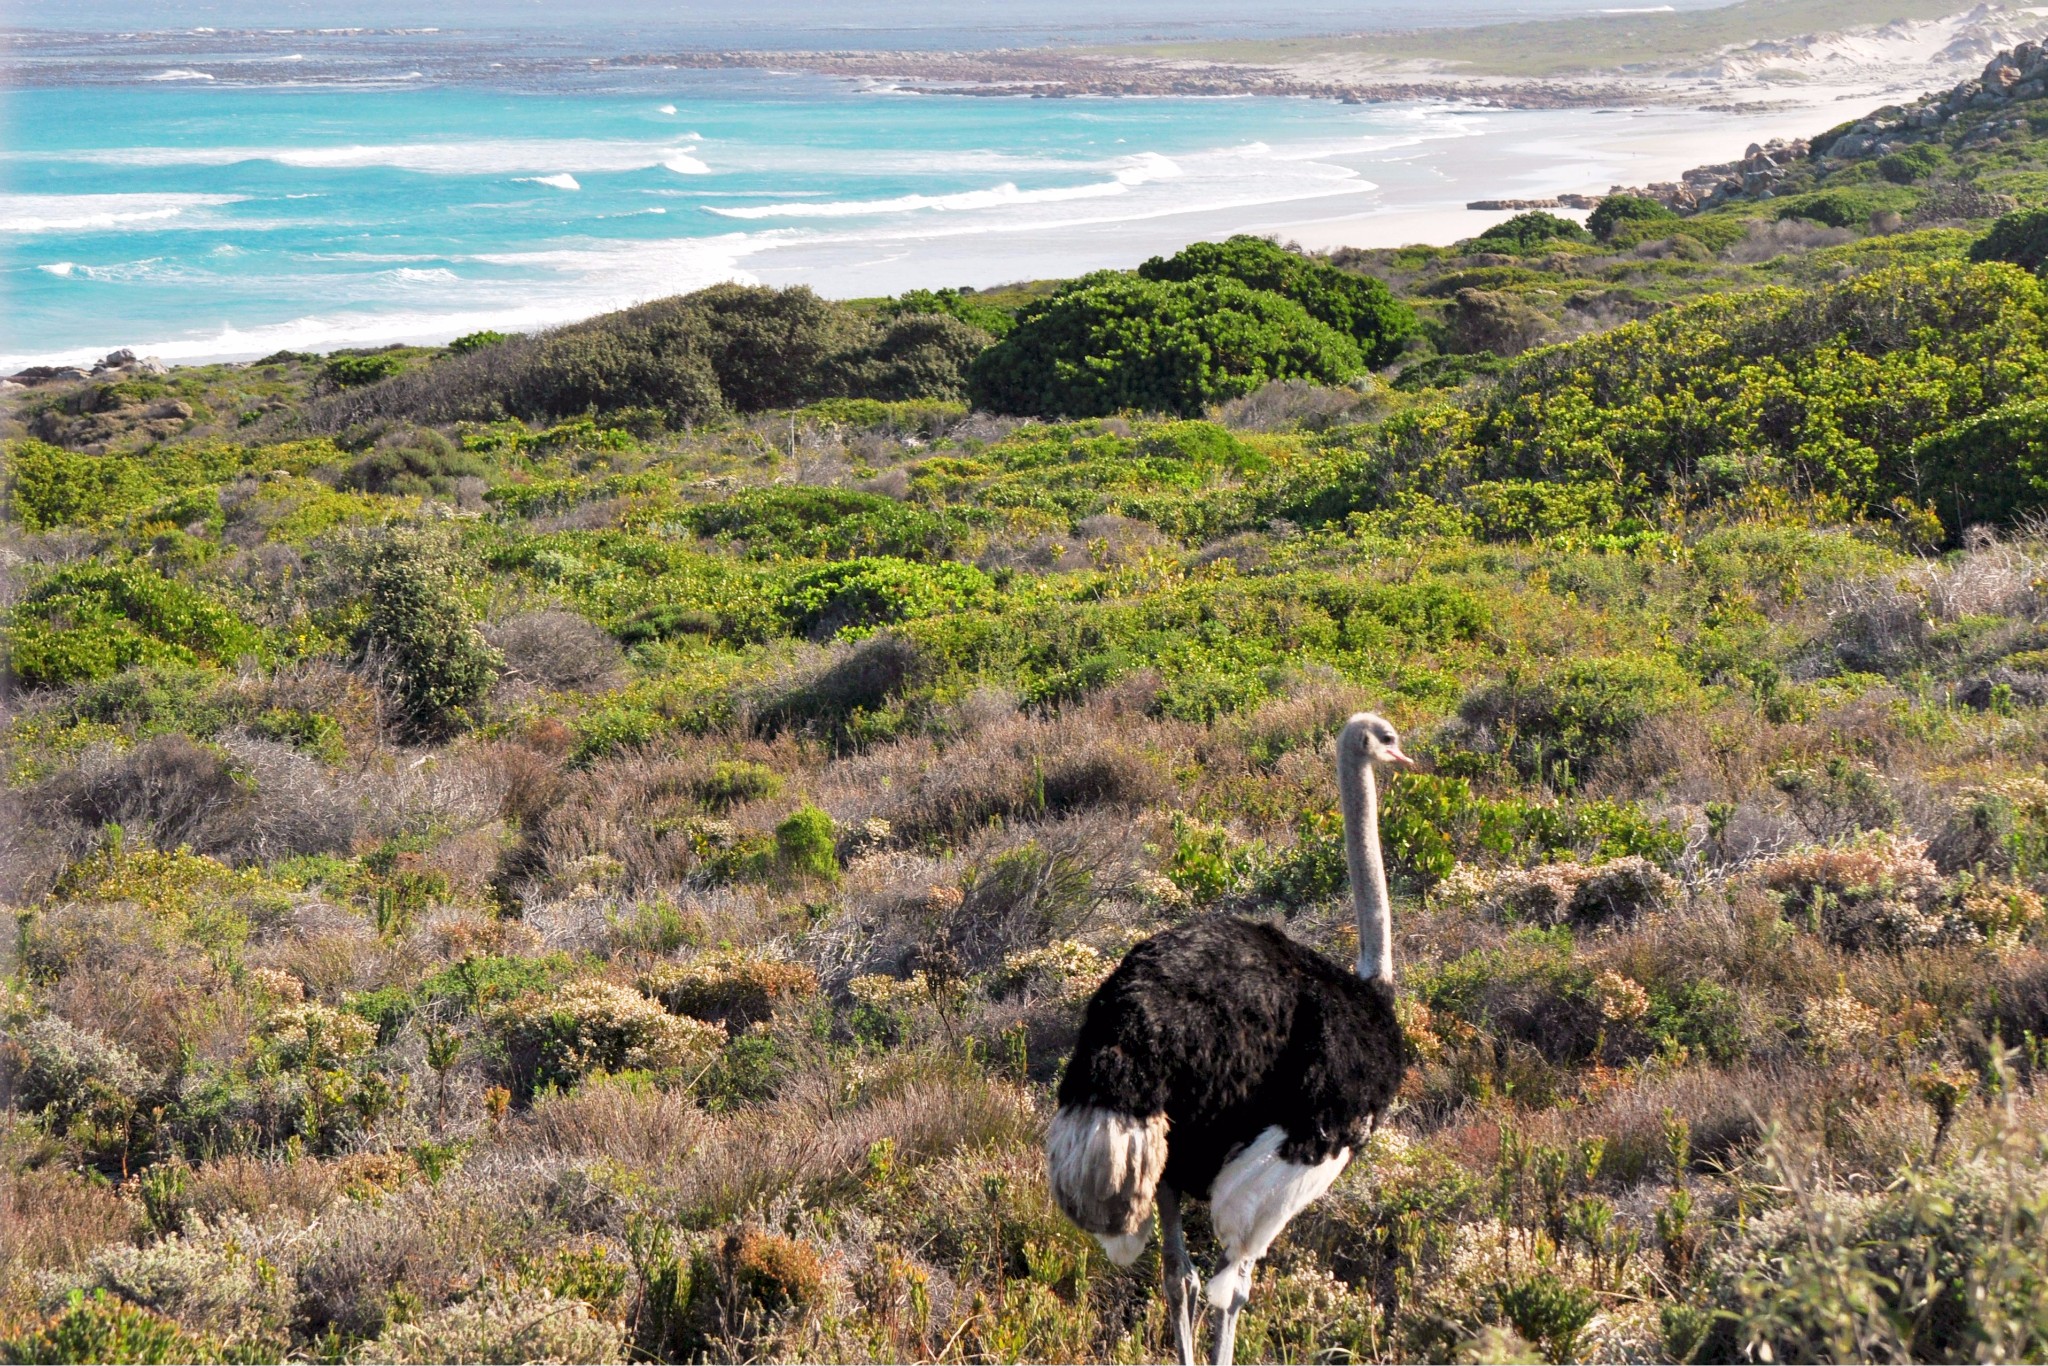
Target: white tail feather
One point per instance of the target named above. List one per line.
(1105, 1168)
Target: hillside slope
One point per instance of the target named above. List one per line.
(592, 847)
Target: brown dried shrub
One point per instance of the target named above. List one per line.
(1878, 893)
(560, 650)
(1013, 766)
(51, 1219)
(731, 989)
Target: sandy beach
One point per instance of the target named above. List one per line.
(214, 208)
(1519, 137)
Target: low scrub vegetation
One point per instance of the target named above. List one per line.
(593, 846)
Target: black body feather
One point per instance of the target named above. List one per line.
(1229, 1027)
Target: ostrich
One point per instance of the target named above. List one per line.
(1224, 1060)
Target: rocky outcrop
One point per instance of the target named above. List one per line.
(120, 405)
(2010, 80)
(114, 365)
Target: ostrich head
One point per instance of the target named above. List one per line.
(1367, 739)
(1381, 744)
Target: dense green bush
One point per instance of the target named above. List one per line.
(1113, 342)
(420, 462)
(830, 523)
(1359, 306)
(686, 358)
(476, 341)
(919, 356)
(1528, 232)
(1820, 392)
(1617, 209)
(954, 303)
(91, 621)
(1909, 164)
(49, 486)
(421, 639)
(804, 844)
(348, 370)
(2020, 238)
(877, 591)
(101, 1328)
(1843, 208)
(1992, 468)
(1554, 728)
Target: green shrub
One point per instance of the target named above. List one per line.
(345, 371)
(1701, 1016)
(1992, 468)
(1358, 306)
(732, 781)
(1823, 390)
(955, 303)
(2020, 238)
(90, 621)
(1616, 209)
(1112, 342)
(1842, 208)
(1528, 232)
(49, 487)
(101, 1328)
(476, 341)
(1550, 1314)
(1448, 372)
(680, 360)
(422, 640)
(829, 523)
(804, 845)
(1916, 162)
(1942, 1264)
(591, 1025)
(422, 462)
(861, 594)
(1555, 727)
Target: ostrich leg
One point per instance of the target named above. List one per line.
(1182, 1285)
(1226, 1327)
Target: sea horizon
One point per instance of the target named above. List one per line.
(223, 195)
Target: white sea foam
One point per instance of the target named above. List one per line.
(666, 109)
(28, 213)
(576, 285)
(181, 74)
(564, 181)
(497, 156)
(1142, 169)
(152, 269)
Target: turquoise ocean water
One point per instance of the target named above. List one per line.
(202, 221)
(219, 194)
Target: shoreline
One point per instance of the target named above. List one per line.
(1413, 192)
(1549, 141)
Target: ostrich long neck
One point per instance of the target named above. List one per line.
(1361, 800)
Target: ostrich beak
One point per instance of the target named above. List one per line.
(1396, 756)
